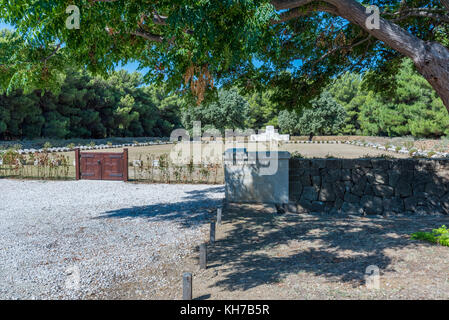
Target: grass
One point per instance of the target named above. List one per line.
(438, 236)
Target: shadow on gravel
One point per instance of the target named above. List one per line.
(261, 248)
(190, 211)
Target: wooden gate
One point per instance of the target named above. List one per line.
(101, 165)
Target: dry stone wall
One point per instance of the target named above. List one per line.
(370, 186)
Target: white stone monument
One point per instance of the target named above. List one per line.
(270, 134)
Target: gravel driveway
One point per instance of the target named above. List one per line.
(100, 232)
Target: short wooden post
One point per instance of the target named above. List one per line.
(125, 164)
(219, 211)
(212, 233)
(77, 164)
(203, 256)
(187, 286)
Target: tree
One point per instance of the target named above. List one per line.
(348, 91)
(288, 122)
(324, 118)
(90, 107)
(263, 111)
(197, 42)
(414, 110)
(168, 105)
(229, 111)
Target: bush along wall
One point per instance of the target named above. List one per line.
(370, 186)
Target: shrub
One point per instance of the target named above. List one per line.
(438, 236)
(297, 155)
(10, 157)
(409, 144)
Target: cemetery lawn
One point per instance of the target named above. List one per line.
(307, 150)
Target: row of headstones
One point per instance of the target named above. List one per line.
(402, 150)
(83, 148)
(392, 148)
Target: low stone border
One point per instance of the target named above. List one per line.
(414, 152)
(88, 147)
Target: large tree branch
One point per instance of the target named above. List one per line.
(445, 4)
(339, 48)
(421, 14)
(388, 32)
(289, 4)
(304, 11)
(54, 52)
(148, 36)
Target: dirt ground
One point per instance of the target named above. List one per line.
(262, 255)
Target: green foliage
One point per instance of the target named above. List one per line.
(90, 107)
(296, 155)
(413, 109)
(209, 39)
(230, 111)
(29, 65)
(263, 111)
(438, 236)
(347, 91)
(108, 33)
(288, 122)
(325, 117)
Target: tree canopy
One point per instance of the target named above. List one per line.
(195, 44)
(230, 111)
(326, 117)
(90, 107)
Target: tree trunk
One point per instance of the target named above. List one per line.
(430, 58)
(433, 63)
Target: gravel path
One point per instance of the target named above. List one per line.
(100, 232)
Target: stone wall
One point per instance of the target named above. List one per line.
(370, 186)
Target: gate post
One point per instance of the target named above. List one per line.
(125, 164)
(77, 164)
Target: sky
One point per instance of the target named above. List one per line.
(4, 25)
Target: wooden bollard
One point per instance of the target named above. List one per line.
(212, 233)
(219, 211)
(187, 286)
(203, 256)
